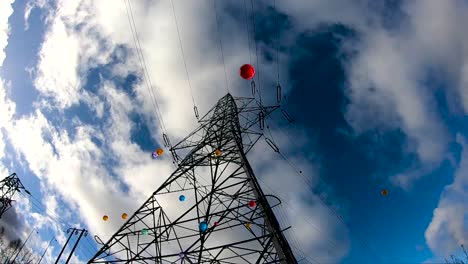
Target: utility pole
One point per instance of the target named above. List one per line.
(43, 254)
(82, 231)
(211, 209)
(64, 246)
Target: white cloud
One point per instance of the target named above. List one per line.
(307, 14)
(393, 78)
(388, 90)
(315, 231)
(30, 5)
(388, 74)
(7, 108)
(57, 75)
(6, 9)
(436, 43)
(448, 227)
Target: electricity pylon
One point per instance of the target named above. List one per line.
(211, 209)
(8, 188)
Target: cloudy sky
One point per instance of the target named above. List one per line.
(378, 91)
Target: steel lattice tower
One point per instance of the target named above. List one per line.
(8, 187)
(220, 189)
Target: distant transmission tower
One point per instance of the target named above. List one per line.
(8, 187)
(211, 209)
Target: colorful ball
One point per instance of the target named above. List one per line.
(203, 226)
(182, 198)
(247, 71)
(154, 155)
(105, 218)
(252, 203)
(217, 153)
(159, 151)
(216, 223)
(124, 216)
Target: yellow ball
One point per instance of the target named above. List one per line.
(248, 225)
(124, 216)
(105, 218)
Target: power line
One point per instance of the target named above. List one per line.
(61, 223)
(256, 51)
(183, 58)
(37, 205)
(220, 44)
(298, 246)
(312, 188)
(278, 44)
(146, 75)
(82, 232)
(248, 29)
(286, 201)
(86, 249)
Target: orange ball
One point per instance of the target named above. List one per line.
(159, 151)
(218, 153)
(105, 218)
(384, 192)
(124, 216)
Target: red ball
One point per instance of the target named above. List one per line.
(247, 71)
(252, 203)
(216, 223)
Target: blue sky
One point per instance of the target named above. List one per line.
(377, 92)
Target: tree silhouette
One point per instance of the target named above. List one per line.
(457, 260)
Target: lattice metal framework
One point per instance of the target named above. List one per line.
(220, 189)
(8, 188)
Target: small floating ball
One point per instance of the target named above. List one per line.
(203, 226)
(216, 223)
(252, 203)
(144, 231)
(384, 192)
(182, 198)
(159, 151)
(105, 218)
(217, 153)
(248, 225)
(247, 71)
(124, 216)
(154, 155)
